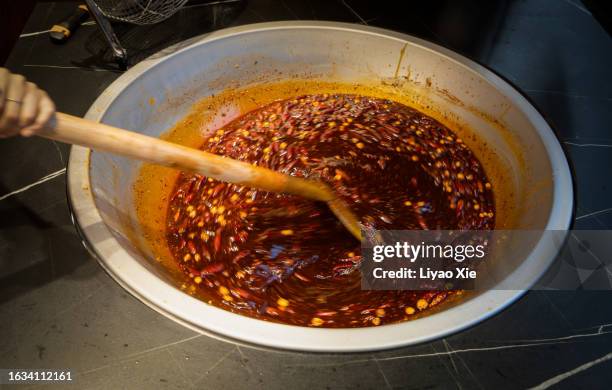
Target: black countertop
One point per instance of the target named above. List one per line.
(58, 309)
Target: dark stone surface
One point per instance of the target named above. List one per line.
(58, 309)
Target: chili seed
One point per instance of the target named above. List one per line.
(422, 304)
(316, 321)
(282, 302)
(223, 290)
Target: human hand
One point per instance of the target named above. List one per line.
(24, 108)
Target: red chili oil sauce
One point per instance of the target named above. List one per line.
(282, 258)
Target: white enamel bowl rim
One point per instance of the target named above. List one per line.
(204, 318)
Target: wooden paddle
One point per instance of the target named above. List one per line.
(78, 131)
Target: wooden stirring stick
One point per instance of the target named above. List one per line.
(74, 130)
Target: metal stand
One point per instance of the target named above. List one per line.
(119, 52)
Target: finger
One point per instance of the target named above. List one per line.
(8, 122)
(29, 106)
(30, 130)
(46, 109)
(14, 94)
(8, 132)
(4, 76)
